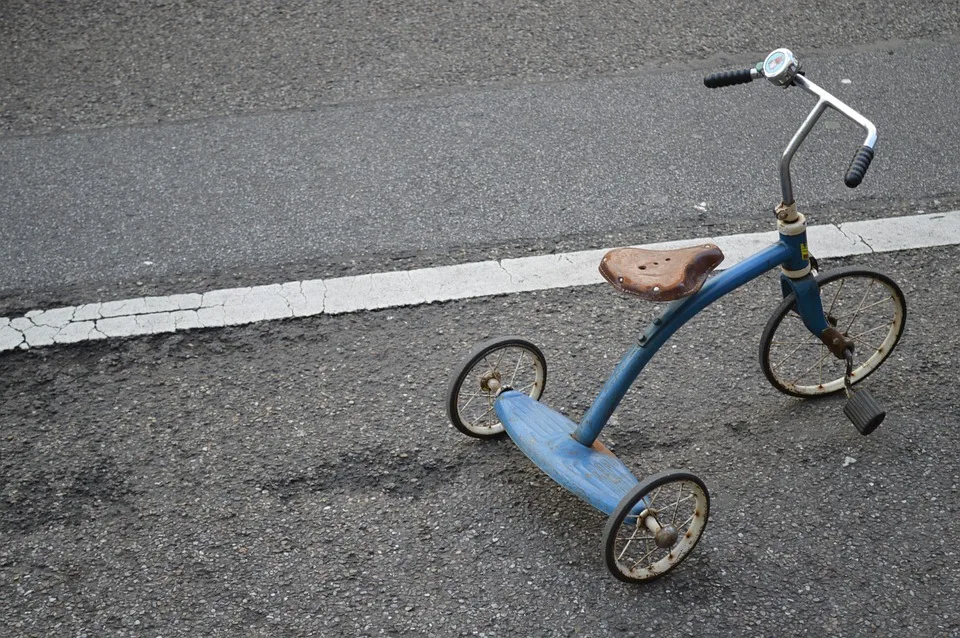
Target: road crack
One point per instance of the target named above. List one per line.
(857, 237)
(504, 269)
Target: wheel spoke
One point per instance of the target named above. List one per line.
(793, 352)
(871, 330)
(653, 499)
(683, 500)
(802, 374)
(866, 343)
(643, 558)
(836, 296)
(503, 351)
(647, 540)
(632, 538)
(676, 506)
(472, 397)
(488, 411)
(821, 364)
(809, 344)
(528, 387)
(517, 369)
(486, 364)
(867, 307)
(687, 498)
(859, 306)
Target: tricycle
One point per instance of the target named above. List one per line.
(830, 332)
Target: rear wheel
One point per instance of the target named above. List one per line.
(509, 362)
(864, 305)
(655, 526)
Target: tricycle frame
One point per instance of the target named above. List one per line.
(790, 253)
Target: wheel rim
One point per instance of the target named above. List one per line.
(679, 506)
(512, 366)
(862, 307)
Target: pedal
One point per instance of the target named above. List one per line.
(861, 408)
(864, 411)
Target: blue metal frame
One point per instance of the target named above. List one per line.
(790, 252)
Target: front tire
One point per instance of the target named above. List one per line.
(866, 306)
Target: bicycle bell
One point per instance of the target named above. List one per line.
(781, 66)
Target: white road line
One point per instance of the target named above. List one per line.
(236, 306)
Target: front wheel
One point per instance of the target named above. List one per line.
(864, 305)
(655, 526)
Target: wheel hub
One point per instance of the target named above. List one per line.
(490, 382)
(666, 537)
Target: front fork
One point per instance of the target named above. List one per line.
(798, 279)
(810, 309)
(861, 408)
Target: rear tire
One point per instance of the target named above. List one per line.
(509, 362)
(681, 504)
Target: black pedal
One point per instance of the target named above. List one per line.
(864, 411)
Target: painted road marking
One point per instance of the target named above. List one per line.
(236, 306)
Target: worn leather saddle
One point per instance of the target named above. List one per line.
(660, 275)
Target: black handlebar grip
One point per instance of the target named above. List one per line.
(727, 78)
(858, 167)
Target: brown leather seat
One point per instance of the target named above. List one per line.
(660, 275)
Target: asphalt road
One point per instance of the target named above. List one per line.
(299, 478)
(224, 191)
(306, 194)
(86, 64)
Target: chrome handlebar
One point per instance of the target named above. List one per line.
(825, 100)
(782, 68)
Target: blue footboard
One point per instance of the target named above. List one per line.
(592, 473)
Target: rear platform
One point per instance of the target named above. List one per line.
(592, 473)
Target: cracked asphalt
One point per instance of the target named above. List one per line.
(237, 306)
(298, 477)
(307, 194)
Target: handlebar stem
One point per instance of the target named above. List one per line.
(825, 100)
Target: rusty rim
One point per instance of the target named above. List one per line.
(513, 363)
(680, 505)
(866, 307)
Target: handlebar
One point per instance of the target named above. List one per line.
(783, 69)
(729, 78)
(859, 165)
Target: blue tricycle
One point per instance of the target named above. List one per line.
(829, 333)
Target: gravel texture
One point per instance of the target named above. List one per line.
(300, 478)
(87, 64)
